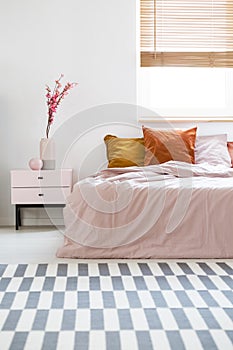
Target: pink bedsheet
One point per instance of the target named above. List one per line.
(175, 210)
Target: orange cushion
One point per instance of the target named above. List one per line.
(124, 152)
(230, 150)
(164, 145)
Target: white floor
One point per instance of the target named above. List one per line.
(38, 244)
(29, 244)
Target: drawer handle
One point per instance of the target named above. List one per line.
(40, 177)
(40, 194)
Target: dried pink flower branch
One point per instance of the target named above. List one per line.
(54, 99)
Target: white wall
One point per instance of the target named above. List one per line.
(91, 42)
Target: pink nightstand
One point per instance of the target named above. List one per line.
(39, 188)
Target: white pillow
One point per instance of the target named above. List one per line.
(212, 149)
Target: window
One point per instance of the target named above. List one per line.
(186, 51)
(177, 92)
(186, 33)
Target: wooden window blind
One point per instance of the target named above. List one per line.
(191, 33)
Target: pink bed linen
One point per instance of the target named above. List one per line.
(175, 210)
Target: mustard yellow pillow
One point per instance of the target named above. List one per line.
(124, 152)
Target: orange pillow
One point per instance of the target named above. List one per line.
(164, 145)
(124, 152)
(230, 150)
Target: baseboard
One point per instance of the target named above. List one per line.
(36, 216)
(42, 222)
(33, 222)
(6, 221)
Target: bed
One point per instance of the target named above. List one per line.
(165, 194)
(171, 210)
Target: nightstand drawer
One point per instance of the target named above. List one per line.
(41, 178)
(55, 195)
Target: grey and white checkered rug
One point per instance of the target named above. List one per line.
(117, 305)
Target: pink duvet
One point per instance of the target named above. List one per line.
(175, 210)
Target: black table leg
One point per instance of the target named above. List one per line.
(17, 216)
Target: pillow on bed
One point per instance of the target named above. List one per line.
(212, 149)
(164, 145)
(124, 152)
(230, 150)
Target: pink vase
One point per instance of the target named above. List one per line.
(47, 153)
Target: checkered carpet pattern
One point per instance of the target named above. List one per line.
(117, 305)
